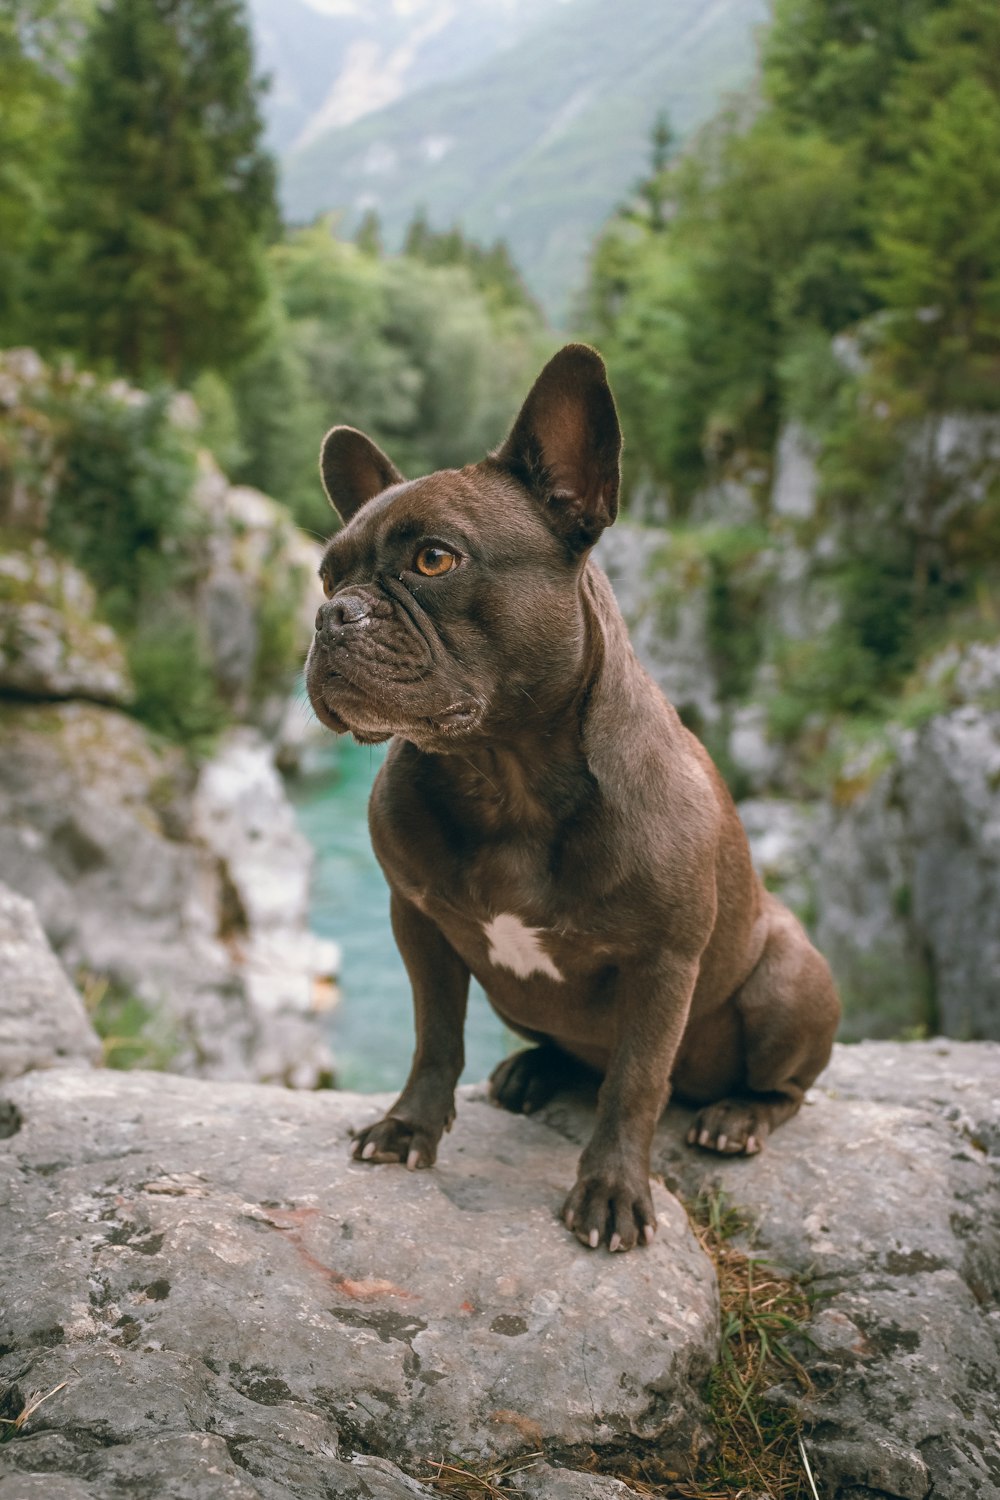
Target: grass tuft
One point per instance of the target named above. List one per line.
(496, 1481)
(760, 1449)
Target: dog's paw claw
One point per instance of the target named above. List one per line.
(391, 1140)
(732, 1127)
(602, 1211)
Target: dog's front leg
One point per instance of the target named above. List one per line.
(411, 1130)
(611, 1201)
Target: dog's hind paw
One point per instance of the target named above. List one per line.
(733, 1127)
(528, 1079)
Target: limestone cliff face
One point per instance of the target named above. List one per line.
(216, 1300)
(175, 875)
(887, 844)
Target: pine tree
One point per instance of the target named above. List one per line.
(368, 236)
(654, 190)
(38, 38)
(157, 248)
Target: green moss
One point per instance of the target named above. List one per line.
(175, 692)
(132, 1034)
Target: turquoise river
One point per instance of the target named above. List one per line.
(372, 1027)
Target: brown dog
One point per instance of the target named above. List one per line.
(544, 819)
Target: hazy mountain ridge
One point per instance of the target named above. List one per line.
(540, 140)
(330, 66)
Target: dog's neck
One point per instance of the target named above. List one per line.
(536, 776)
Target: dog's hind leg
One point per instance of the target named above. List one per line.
(788, 1009)
(526, 1080)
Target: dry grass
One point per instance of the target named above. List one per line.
(759, 1453)
(760, 1450)
(464, 1482)
(10, 1426)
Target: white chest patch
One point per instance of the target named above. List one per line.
(518, 948)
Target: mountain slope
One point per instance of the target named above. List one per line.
(540, 141)
(331, 64)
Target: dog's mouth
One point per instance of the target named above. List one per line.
(347, 706)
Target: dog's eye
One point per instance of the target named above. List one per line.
(433, 561)
(327, 586)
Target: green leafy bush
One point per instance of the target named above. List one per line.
(120, 507)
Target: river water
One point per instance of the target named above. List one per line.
(372, 1027)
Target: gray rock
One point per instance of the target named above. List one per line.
(752, 750)
(907, 876)
(241, 813)
(252, 560)
(51, 646)
(42, 1020)
(662, 590)
(95, 828)
(782, 835)
(224, 1292)
(795, 486)
(883, 1196)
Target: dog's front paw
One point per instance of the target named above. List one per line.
(616, 1212)
(394, 1140)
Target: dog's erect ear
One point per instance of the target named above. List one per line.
(566, 445)
(354, 469)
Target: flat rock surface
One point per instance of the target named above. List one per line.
(233, 1307)
(883, 1197)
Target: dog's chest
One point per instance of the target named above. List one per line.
(512, 945)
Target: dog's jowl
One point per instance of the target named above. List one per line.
(544, 819)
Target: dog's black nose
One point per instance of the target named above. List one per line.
(343, 609)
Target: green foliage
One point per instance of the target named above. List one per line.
(695, 318)
(412, 352)
(220, 422)
(491, 268)
(831, 66)
(132, 1034)
(861, 199)
(936, 255)
(119, 508)
(37, 42)
(154, 249)
(175, 691)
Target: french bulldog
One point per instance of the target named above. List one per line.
(544, 819)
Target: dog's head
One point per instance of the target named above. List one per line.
(453, 608)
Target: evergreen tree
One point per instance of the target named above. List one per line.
(369, 234)
(418, 235)
(157, 247)
(37, 41)
(653, 190)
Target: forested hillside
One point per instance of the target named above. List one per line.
(331, 64)
(540, 141)
(830, 259)
(801, 316)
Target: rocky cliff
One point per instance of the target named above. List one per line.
(168, 872)
(878, 818)
(203, 1296)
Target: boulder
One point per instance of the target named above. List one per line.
(795, 486)
(51, 645)
(256, 594)
(206, 1282)
(882, 1197)
(662, 590)
(906, 878)
(215, 1300)
(42, 1020)
(97, 829)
